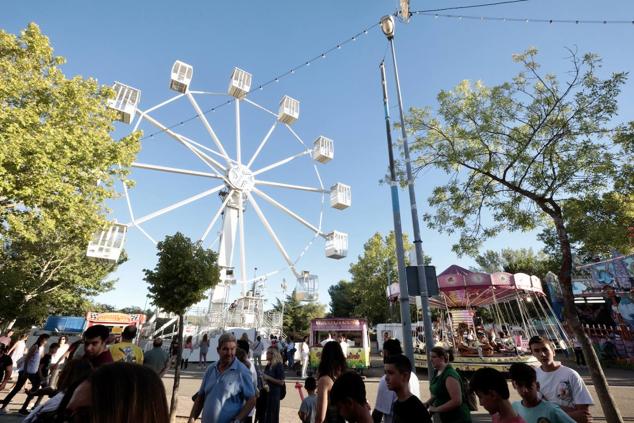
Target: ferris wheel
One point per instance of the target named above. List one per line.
(236, 180)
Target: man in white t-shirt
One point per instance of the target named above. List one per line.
(384, 397)
(343, 342)
(560, 384)
(329, 338)
(305, 356)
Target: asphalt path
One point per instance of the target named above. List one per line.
(621, 386)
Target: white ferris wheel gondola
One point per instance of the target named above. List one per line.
(182, 74)
(240, 182)
(125, 101)
(307, 287)
(108, 244)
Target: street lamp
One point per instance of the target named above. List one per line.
(408, 345)
(387, 26)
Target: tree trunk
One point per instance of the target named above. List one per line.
(611, 411)
(177, 369)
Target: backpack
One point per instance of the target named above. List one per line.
(468, 396)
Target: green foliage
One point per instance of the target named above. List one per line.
(185, 270)
(597, 225)
(58, 164)
(516, 150)
(522, 260)
(342, 299)
(370, 277)
(55, 143)
(49, 276)
(297, 316)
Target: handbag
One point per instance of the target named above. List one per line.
(283, 391)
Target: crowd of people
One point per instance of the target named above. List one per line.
(93, 381)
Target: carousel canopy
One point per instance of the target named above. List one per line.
(460, 287)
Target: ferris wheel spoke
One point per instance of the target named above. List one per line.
(158, 106)
(175, 170)
(208, 127)
(291, 186)
(281, 162)
(297, 137)
(272, 234)
(199, 145)
(216, 216)
(209, 161)
(177, 205)
(264, 140)
(209, 93)
(286, 210)
(143, 231)
(238, 147)
(253, 103)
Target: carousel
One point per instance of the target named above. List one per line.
(513, 308)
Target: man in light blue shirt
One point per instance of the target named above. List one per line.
(227, 393)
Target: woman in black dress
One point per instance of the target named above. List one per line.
(331, 366)
(274, 378)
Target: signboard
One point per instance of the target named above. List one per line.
(337, 325)
(358, 358)
(114, 319)
(617, 272)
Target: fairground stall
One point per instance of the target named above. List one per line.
(604, 298)
(355, 333)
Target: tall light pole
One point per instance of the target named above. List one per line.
(408, 345)
(284, 286)
(387, 26)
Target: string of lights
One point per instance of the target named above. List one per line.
(318, 57)
(277, 78)
(472, 6)
(365, 31)
(526, 20)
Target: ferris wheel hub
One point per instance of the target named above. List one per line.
(241, 178)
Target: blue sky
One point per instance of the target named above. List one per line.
(137, 42)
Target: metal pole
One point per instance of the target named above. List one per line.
(414, 209)
(283, 304)
(408, 345)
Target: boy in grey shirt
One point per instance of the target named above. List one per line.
(308, 409)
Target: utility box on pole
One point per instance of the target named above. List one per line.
(413, 284)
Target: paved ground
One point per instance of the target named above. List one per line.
(621, 386)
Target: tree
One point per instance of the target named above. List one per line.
(342, 299)
(39, 278)
(522, 260)
(58, 163)
(297, 316)
(597, 226)
(517, 150)
(185, 270)
(370, 276)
